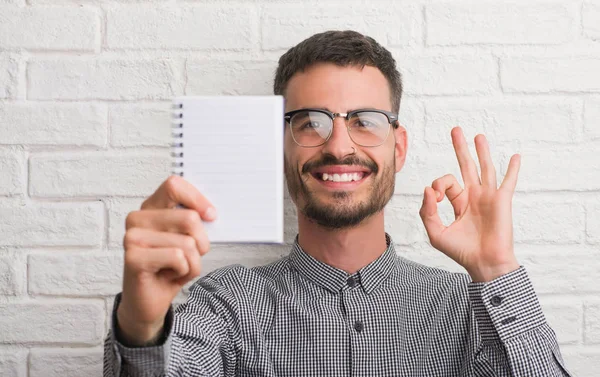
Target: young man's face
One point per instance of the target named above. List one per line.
(338, 205)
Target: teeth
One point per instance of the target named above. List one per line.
(345, 177)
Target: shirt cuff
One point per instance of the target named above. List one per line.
(505, 307)
(141, 361)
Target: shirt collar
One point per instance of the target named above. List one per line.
(334, 279)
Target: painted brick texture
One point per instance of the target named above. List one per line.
(84, 137)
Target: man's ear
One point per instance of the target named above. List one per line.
(401, 146)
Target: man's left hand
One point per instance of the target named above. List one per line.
(481, 237)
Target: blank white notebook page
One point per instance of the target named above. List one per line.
(233, 154)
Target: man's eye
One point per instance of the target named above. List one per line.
(312, 125)
(363, 123)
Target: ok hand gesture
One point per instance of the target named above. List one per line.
(481, 236)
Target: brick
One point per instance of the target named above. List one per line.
(60, 224)
(536, 220)
(592, 322)
(106, 173)
(546, 266)
(53, 124)
(582, 362)
(13, 363)
(281, 32)
(593, 223)
(591, 20)
(505, 120)
(591, 118)
(448, 74)
(557, 167)
(117, 212)
(43, 28)
(565, 318)
(9, 76)
(75, 274)
(101, 78)
(140, 125)
(12, 166)
(498, 23)
(65, 362)
(52, 322)
(402, 220)
(547, 75)
(411, 117)
(230, 78)
(190, 27)
(13, 273)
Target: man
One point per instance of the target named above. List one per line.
(342, 303)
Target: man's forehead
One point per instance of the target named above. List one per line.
(338, 88)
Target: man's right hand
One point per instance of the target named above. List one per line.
(163, 246)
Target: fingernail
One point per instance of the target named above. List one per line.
(210, 213)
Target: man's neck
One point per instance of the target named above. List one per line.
(347, 249)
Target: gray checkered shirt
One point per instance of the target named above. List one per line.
(394, 317)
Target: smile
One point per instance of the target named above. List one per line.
(341, 177)
(344, 177)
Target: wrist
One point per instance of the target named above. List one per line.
(132, 333)
(484, 274)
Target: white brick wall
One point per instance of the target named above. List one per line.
(84, 134)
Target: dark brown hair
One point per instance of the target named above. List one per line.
(343, 48)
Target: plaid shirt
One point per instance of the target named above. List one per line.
(394, 317)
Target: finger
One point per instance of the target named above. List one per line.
(183, 221)
(147, 238)
(156, 259)
(177, 191)
(447, 185)
(468, 168)
(512, 174)
(488, 171)
(450, 186)
(430, 217)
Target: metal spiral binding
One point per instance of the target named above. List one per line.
(177, 146)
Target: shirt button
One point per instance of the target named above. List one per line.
(359, 326)
(496, 301)
(351, 282)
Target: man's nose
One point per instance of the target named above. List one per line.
(339, 144)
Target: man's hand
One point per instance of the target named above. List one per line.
(163, 246)
(481, 237)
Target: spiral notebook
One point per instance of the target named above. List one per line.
(231, 149)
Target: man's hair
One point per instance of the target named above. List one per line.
(343, 48)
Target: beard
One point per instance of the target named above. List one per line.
(344, 212)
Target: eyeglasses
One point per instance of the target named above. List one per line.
(366, 127)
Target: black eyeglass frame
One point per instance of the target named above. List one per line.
(392, 120)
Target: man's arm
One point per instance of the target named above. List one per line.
(513, 338)
(198, 338)
(510, 334)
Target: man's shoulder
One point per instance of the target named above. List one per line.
(240, 274)
(421, 273)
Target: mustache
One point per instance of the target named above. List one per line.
(329, 160)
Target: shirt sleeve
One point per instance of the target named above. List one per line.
(199, 339)
(120, 360)
(514, 337)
